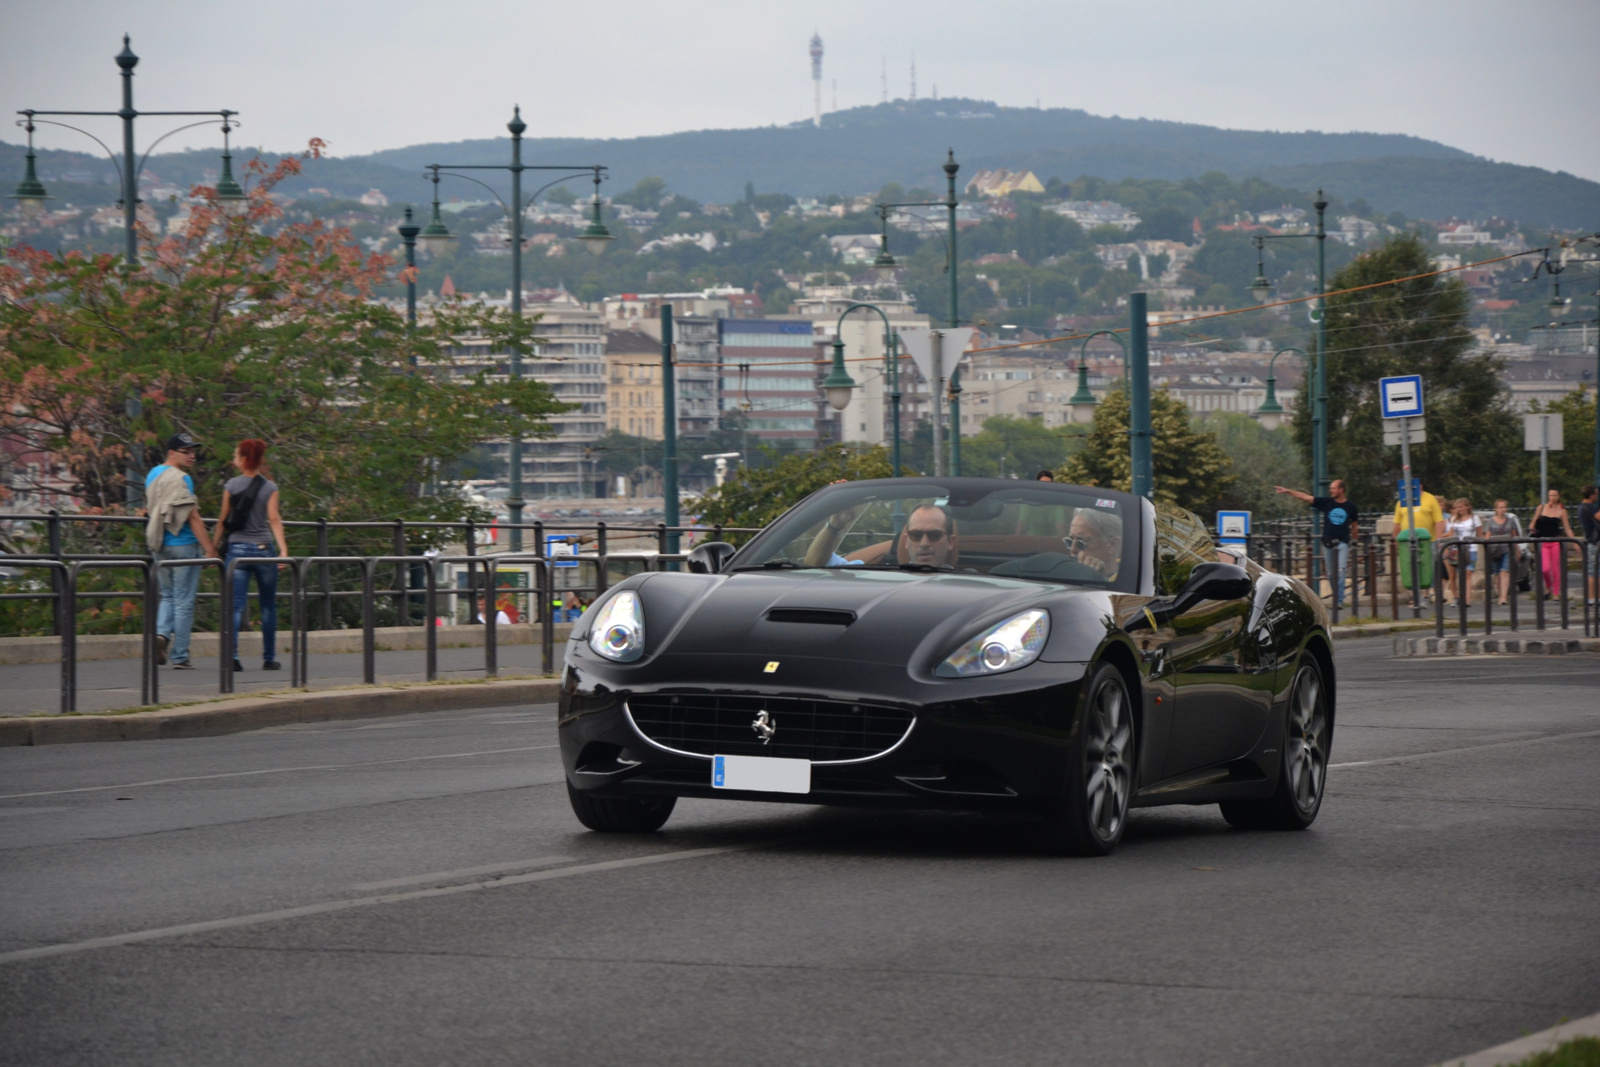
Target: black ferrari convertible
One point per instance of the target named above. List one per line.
(1048, 649)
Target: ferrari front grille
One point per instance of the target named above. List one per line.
(823, 731)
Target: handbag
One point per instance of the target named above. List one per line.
(243, 504)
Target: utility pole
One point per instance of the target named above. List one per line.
(669, 415)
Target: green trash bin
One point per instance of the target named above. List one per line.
(1424, 557)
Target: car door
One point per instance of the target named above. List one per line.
(1223, 690)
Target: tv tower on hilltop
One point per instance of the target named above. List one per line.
(816, 76)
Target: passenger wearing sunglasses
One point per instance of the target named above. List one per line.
(1095, 540)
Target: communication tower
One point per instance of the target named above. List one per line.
(816, 76)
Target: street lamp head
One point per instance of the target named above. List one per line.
(125, 58)
(595, 236)
(230, 195)
(838, 385)
(516, 125)
(1261, 288)
(885, 267)
(30, 195)
(435, 236)
(409, 229)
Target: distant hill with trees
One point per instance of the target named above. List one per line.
(861, 149)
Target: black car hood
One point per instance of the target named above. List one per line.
(895, 614)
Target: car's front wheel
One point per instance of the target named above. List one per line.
(1093, 810)
(1303, 773)
(610, 816)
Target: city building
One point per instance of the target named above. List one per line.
(1092, 213)
(633, 383)
(1001, 182)
(770, 374)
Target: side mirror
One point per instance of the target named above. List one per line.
(710, 557)
(1213, 581)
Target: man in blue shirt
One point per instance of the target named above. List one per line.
(175, 619)
(1338, 527)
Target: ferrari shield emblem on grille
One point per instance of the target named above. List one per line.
(771, 667)
(764, 726)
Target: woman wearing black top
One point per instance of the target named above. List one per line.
(1551, 521)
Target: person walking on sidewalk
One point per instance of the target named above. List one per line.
(1551, 521)
(1338, 527)
(1589, 523)
(254, 527)
(1460, 559)
(1502, 558)
(174, 530)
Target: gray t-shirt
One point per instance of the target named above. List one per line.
(255, 527)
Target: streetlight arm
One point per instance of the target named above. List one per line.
(503, 205)
(534, 197)
(146, 157)
(116, 160)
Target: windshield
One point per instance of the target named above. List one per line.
(1030, 530)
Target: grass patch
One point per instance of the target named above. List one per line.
(1579, 1052)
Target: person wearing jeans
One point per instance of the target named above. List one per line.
(250, 515)
(169, 488)
(1338, 527)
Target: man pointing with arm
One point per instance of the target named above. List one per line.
(1338, 527)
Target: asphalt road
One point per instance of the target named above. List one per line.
(414, 890)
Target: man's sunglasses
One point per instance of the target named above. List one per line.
(1077, 544)
(934, 536)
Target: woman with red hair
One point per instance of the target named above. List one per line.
(252, 522)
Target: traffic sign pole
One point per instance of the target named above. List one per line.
(1411, 516)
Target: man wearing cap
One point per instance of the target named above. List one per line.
(176, 531)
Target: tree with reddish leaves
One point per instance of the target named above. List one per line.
(238, 327)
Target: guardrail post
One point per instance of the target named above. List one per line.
(491, 612)
(541, 613)
(1463, 585)
(547, 632)
(226, 652)
(472, 571)
(326, 580)
(369, 665)
(1538, 587)
(58, 579)
(430, 597)
(67, 622)
(152, 604)
(402, 577)
(1561, 583)
(1438, 589)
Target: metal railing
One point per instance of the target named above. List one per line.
(1540, 587)
(65, 596)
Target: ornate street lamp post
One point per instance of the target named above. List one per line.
(31, 194)
(595, 238)
(408, 237)
(1271, 412)
(838, 385)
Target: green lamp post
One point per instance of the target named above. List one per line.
(31, 195)
(1271, 412)
(595, 237)
(1082, 403)
(408, 237)
(838, 385)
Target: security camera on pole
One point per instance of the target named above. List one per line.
(1401, 399)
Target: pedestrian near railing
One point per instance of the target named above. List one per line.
(249, 525)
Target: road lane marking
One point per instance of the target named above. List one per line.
(30, 811)
(1458, 751)
(273, 770)
(463, 872)
(330, 906)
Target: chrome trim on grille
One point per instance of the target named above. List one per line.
(626, 710)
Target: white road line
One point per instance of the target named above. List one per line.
(30, 811)
(330, 906)
(464, 872)
(1458, 751)
(272, 770)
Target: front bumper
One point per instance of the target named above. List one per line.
(976, 743)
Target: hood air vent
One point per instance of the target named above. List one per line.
(821, 616)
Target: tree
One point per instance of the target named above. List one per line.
(248, 327)
(756, 496)
(1190, 469)
(1572, 468)
(1008, 447)
(1410, 327)
(1262, 459)
(646, 194)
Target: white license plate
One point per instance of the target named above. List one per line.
(761, 774)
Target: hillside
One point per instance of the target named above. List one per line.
(860, 150)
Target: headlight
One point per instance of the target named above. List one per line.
(618, 631)
(1006, 646)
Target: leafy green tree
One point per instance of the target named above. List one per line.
(1411, 327)
(754, 496)
(646, 193)
(1262, 459)
(1016, 448)
(1190, 469)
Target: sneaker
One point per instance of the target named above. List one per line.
(272, 665)
(238, 666)
(184, 666)
(161, 649)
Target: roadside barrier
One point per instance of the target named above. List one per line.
(1464, 545)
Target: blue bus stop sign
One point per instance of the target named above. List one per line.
(1400, 397)
(1233, 527)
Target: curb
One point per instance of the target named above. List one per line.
(1515, 1051)
(1503, 646)
(254, 713)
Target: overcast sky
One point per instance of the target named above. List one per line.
(1513, 82)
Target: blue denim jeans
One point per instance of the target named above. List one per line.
(266, 593)
(1337, 556)
(175, 617)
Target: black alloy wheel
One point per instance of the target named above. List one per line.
(1303, 773)
(608, 816)
(1093, 810)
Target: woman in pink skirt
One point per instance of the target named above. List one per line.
(1551, 521)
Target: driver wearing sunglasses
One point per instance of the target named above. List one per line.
(929, 536)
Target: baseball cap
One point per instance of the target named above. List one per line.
(183, 442)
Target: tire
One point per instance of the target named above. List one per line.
(1092, 813)
(1303, 766)
(609, 816)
